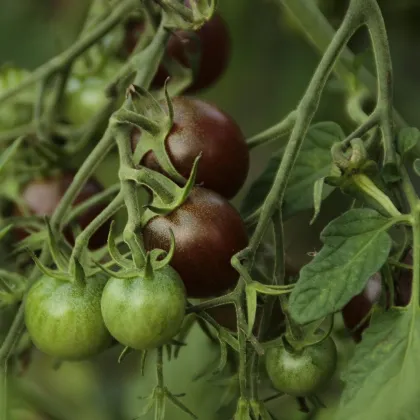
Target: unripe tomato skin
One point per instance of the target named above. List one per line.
(359, 306)
(42, 196)
(144, 313)
(304, 373)
(64, 319)
(200, 127)
(208, 232)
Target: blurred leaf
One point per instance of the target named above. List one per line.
(314, 162)
(408, 138)
(7, 155)
(382, 378)
(5, 231)
(356, 245)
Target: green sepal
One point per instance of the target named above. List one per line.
(113, 250)
(48, 271)
(169, 255)
(58, 257)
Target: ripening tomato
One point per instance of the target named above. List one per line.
(211, 43)
(208, 232)
(42, 196)
(200, 127)
(302, 373)
(144, 313)
(64, 318)
(359, 306)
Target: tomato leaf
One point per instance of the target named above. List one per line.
(408, 138)
(382, 377)
(313, 163)
(356, 245)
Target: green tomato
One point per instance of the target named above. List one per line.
(301, 373)
(64, 318)
(144, 313)
(85, 97)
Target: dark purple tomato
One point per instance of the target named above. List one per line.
(208, 232)
(212, 43)
(359, 306)
(42, 196)
(200, 127)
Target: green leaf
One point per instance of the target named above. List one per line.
(416, 166)
(313, 163)
(356, 245)
(408, 138)
(7, 155)
(382, 379)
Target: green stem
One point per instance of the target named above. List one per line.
(95, 200)
(273, 133)
(376, 25)
(82, 240)
(305, 112)
(67, 57)
(319, 32)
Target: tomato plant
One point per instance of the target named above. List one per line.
(208, 231)
(328, 226)
(64, 319)
(200, 127)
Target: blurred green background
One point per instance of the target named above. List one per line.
(270, 66)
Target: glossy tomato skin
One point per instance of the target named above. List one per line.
(200, 127)
(42, 196)
(304, 373)
(213, 43)
(359, 306)
(64, 318)
(145, 313)
(208, 232)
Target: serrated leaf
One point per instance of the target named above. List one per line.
(356, 245)
(416, 166)
(382, 378)
(314, 162)
(408, 138)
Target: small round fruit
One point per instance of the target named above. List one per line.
(144, 313)
(359, 306)
(303, 373)
(212, 43)
(41, 197)
(208, 232)
(200, 127)
(64, 318)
